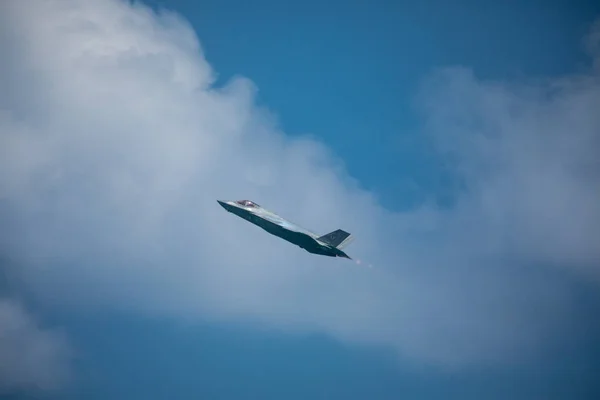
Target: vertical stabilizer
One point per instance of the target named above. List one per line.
(337, 238)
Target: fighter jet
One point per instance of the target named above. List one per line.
(330, 245)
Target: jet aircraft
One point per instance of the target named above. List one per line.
(330, 245)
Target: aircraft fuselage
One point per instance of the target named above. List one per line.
(276, 225)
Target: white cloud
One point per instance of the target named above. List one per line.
(31, 358)
(529, 157)
(115, 146)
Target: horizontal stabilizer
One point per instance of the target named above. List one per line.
(335, 238)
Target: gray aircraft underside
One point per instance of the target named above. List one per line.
(330, 244)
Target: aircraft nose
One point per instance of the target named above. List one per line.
(224, 204)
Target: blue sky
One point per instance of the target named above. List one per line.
(349, 75)
(459, 124)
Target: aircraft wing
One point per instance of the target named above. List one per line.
(288, 225)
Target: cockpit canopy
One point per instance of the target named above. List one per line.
(247, 203)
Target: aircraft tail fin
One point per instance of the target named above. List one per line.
(337, 238)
